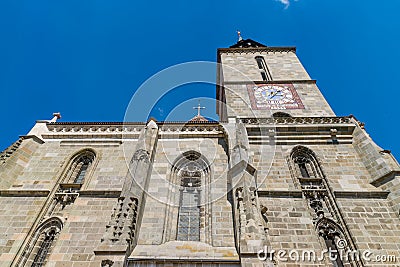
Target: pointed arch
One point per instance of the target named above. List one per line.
(42, 242)
(187, 215)
(305, 163)
(79, 166)
(333, 236)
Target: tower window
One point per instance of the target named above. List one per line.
(306, 164)
(303, 170)
(264, 71)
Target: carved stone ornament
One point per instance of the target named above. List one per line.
(328, 229)
(66, 197)
(107, 263)
(122, 225)
(141, 154)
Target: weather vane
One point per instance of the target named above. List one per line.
(198, 109)
(239, 36)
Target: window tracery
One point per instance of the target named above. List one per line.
(79, 167)
(38, 251)
(190, 175)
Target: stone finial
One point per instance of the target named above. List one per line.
(152, 124)
(56, 116)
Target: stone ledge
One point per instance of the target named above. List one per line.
(101, 193)
(378, 181)
(33, 137)
(271, 82)
(361, 194)
(184, 251)
(301, 142)
(90, 142)
(24, 193)
(280, 193)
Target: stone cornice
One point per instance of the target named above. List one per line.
(316, 128)
(296, 120)
(272, 82)
(299, 130)
(120, 130)
(257, 49)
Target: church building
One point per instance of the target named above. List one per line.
(279, 180)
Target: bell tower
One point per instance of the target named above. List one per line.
(297, 171)
(255, 80)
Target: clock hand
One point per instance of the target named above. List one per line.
(277, 91)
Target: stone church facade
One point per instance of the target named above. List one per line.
(279, 181)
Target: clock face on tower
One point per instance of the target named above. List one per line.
(274, 96)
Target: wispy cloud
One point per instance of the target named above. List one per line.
(160, 111)
(285, 2)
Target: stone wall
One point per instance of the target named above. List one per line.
(282, 65)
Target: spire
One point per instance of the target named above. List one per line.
(248, 43)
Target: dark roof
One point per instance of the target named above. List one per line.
(247, 44)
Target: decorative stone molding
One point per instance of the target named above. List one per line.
(66, 197)
(297, 120)
(107, 263)
(7, 153)
(122, 226)
(252, 50)
(130, 130)
(272, 82)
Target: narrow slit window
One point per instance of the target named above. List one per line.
(264, 71)
(303, 170)
(83, 165)
(82, 173)
(331, 246)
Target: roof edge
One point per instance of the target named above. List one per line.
(258, 49)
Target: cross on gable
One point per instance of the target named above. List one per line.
(199, 108)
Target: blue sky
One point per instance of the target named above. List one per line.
(87, 58)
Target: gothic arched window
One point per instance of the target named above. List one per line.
(332, 234)
(264, 71)
(37, 252)
(44, 248)
(191, 170)
(79, 167)
(189, 206)
(305, 162)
